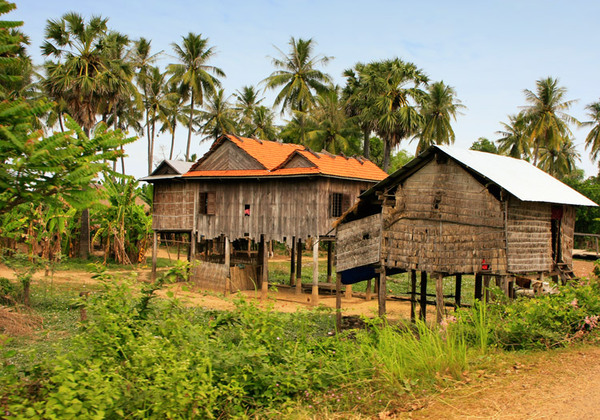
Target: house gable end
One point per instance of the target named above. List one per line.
(228, 156)
(297, 161)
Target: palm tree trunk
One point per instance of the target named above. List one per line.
(367, 143)
(172, 143)
(151, 156)
(149, 142)
(60, 122)
(387, 149)
(189, 141)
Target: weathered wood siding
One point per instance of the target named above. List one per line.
(358, 243)
(173, 207)
(567, 234)
(529, 239)
(228, 157)
(279, 208)
(443, 220)
(299, 161)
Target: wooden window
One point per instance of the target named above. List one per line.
(338, 204)
(207, 203)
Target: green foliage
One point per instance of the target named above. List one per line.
(484, 145)
(588, 218)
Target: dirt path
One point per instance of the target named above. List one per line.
(557, 385)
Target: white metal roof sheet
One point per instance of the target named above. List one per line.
(520, 178)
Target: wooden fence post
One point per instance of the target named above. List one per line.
(382, 291)
(439, 297)
(413, 294)
(299, 268)
(338, 302)
(423, 307)
(265, 268)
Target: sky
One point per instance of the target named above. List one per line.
(489, 51)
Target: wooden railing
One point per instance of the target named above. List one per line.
(591, 235)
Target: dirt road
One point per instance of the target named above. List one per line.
(557, 385)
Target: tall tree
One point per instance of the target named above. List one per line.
(193, 72)
(247, 101)
(515, 140)
(156, 103)
(394, 87)
(592, 141)
(546, 115)
(218, 117)
(559, 162)
(262, 125)
(438, 109)
(298, 78)
(78, 75)
(174, 113)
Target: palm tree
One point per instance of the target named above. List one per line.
(393, 87)
(333, 131)
(592, 141)
(515, 140)
(218, 117)
(78, 75)
(156, 103)
(438, 109)
(247, 102)
(174, 114)
(559, 162)
(296, 130)
(546, 116)
(297, 77)
(358, 105)
(142, 60)
(194, 74)
(262, 124)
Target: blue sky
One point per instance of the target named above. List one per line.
(489, 51)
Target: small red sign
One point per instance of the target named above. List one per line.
(485, 266)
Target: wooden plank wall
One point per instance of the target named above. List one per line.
(228, 157)
(443, 220)
(358, 243)
(529, 239)
(173, 208)
(567, 228)
(279, 208)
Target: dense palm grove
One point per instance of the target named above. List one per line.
(98, 89)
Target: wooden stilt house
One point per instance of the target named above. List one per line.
(244, 193)
(453, 212)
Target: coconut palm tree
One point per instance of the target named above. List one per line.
(262, 124)
(515, 140)
(296, 130)
(592, 141)
(193, 72)
(297, 78)
(546, 116)
(78, 75)
(247, 101)
(174, 113)
(218, 117)
(156, 103)
(559, 162)
(394, 87)
(438, 109)
(333, 131)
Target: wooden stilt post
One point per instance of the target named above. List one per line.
(299, 268)
(154, 255)
(413, 294)
(368, 291)
(348, 294)
(315, 284)
(423, 308)
(486, 288)
(329, 260)
(265, 268)
(478, 286)
(338, 302)
(293, 262)
(382, 295)
(227, 264)
(439, 297)
(457, 290)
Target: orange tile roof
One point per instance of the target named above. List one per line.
(273, 156)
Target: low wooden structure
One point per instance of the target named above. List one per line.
(453, 212)
(244, 193)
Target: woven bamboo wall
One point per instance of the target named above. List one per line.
(358, 243)
(173, 208)
(529, 236)
(209, 276)
(443, 220)
(567, 233)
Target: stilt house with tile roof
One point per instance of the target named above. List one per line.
(452, 212)
(246, 192)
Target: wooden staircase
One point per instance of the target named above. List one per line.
(564, 272)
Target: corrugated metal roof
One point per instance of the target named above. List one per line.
(180, 165)
(520, 178)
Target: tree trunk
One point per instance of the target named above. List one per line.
(172, 143)
(60, 122)
(149, 142)
(386, 154)
(189, 140)
(366, 143)
(84, 235)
